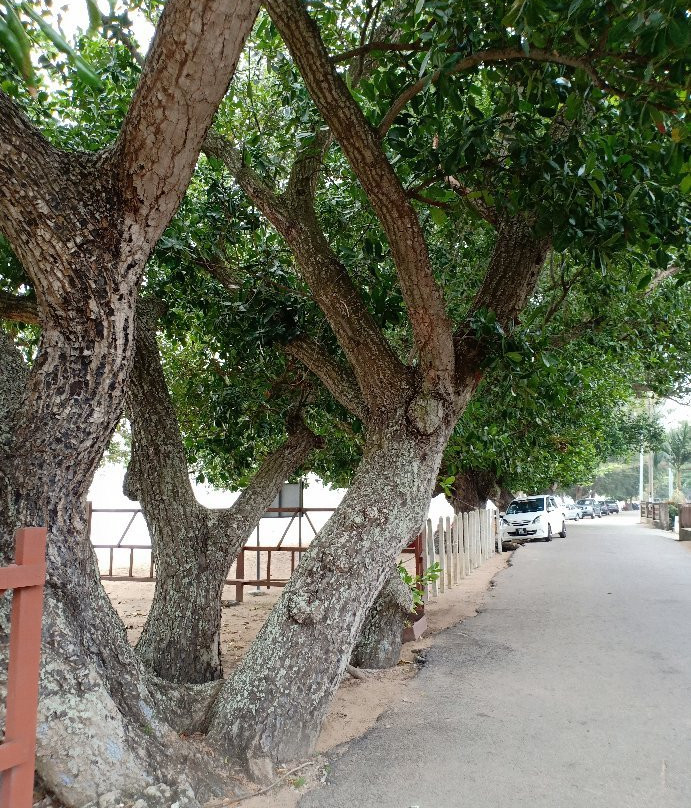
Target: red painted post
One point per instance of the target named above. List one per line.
(18, 750)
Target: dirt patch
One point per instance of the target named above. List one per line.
(358, 704)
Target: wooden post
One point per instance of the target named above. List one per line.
(442, 554)
(449, 552)
(18, 750)
(431, 557)
(466, 535)
(240, 574)
(454, 548)
(461, 553)
(481, 539)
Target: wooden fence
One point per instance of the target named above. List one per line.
(476, 532)
(459, 545)
(263, 557)
(26, 578)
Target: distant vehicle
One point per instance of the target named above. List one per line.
(604, 507)
(537, 517)
(572, 511)
(589, 507)
(613, 505)
(635, 506)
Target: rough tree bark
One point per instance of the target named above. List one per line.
(381, 638)
(83, 226)
(193, 547)
(274, 704)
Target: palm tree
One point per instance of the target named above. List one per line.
(678, 449)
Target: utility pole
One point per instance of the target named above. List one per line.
(651, 457)
(641, 465)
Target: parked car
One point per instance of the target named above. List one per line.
(635, 506)
(572, 511)
(604, 508)
(589, 507)
(536, 517)
(613, 505)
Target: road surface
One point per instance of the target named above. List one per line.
(572, 688)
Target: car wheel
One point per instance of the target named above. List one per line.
(592, 515)
(562, 532)
(549, 533)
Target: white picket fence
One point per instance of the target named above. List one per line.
(464, 543)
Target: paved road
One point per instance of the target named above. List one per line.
(571, 689)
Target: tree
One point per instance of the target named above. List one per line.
(193, 548)
(547, 114)
(678, 449)
(83, 224)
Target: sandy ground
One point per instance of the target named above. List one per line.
(358, 704)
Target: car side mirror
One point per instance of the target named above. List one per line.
(502, 515)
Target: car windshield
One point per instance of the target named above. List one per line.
(585, 501)
(526, 506)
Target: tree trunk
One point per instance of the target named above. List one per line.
(381, 638)
(98, 729)
(83, 226)
(471, 489)
(192, 547)
(504, 499)
(273, 707)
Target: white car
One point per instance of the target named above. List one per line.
(535, 517)
(572, 511)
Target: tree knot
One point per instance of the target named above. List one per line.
(303, 610)
(426, 413)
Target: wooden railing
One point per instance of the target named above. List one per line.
(262, 555)
(18, 749)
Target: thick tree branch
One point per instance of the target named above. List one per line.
(493, 56)
(184, 78)
(235, 524)
(18, 308)
(380, 47)
(514, 267)
(32, 174)
(14, 373)
(661, 276)
(376, 367)
(485, 211)
(337, 380)
(430, 324)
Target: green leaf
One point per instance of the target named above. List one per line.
(11, 45)
(83, 69)
(644, 281)
(437, 215)
(514, 13)
(94, 16)
(15, 26)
